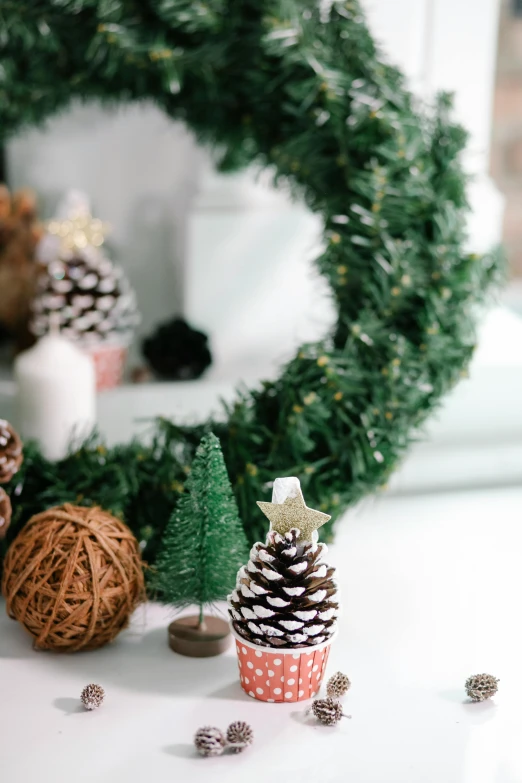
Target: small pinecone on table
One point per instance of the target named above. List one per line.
(338, 685)
(240, 735)
(11, 456)
(92, 696)
(88, 294)
(210, 741)
(481, 686)
(285, 596)
(328, 711)
(5, 512)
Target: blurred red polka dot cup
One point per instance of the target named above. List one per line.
(275, 675)
(109, 364)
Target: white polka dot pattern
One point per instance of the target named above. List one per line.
(274, 678)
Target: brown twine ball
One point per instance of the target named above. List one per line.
(72, 577)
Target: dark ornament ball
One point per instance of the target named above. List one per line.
(177, 352)
(480, 687)
(210, 741)
(328, 711)
(240, 735)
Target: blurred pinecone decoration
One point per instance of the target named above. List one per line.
(20, 233)
(79, 288)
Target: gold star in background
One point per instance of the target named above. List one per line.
(293, 512)
(79, 231)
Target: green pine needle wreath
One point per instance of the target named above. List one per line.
(300, 87)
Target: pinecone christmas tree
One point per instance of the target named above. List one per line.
(286, 596)
(79, 287)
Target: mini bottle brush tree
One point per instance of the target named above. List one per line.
(203, 547)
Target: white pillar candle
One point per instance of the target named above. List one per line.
(56, 395)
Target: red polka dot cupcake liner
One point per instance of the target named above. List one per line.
(281, 676)
(109, 364)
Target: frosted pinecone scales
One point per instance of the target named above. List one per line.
(285, 596)
(91, 296)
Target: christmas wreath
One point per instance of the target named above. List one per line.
(300, 87)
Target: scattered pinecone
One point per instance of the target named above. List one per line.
(5, 512)
(11, 456)
(92, 696)
(338, 685)
(286, 596)
(328, 711)
(210, 741)
(481, 686)
(240, 735)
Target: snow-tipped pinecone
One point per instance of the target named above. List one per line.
(285, 596)
(328, 711)
(92, 696)
(11, 456)
(337, 685)
(5, 512)
(88, 295)
(210, 741)
(481, 686)
(240, 735)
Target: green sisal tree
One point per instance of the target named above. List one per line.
(203, 547)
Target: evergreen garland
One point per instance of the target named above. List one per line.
(301, 87)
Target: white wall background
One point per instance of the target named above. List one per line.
(140, 170)
(233, 256)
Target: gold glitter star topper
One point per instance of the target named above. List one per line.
(79, 230)
(288, 510)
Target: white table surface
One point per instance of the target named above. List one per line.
(431, 589)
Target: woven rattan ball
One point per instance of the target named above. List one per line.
(72, 577)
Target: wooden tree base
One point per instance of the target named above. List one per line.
(187, 637)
